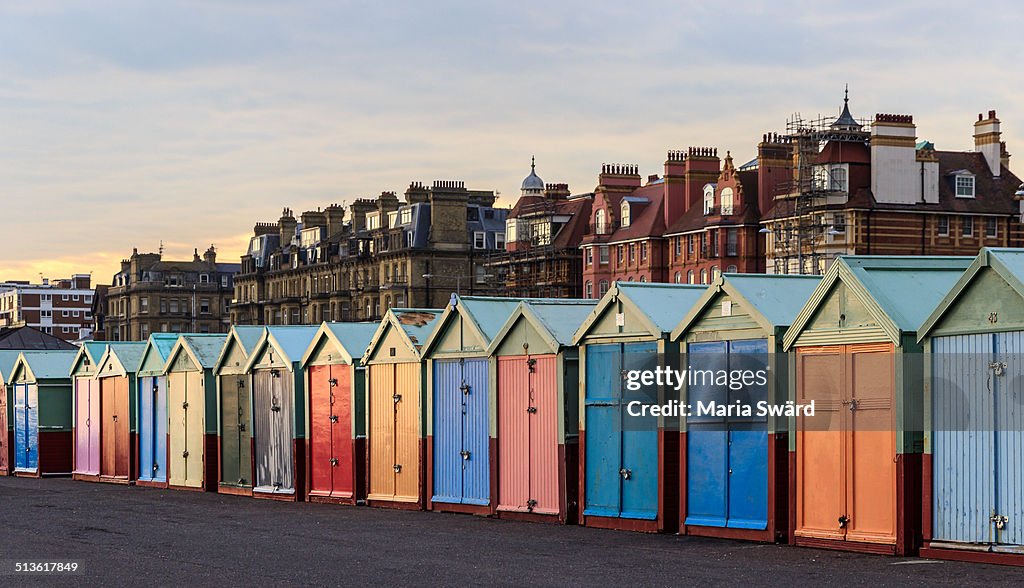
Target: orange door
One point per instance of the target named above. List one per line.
(871, 445)
(820, 493)
(343, 472)
(381, 438)
(108, 430)
(320, 458)
(407, 432)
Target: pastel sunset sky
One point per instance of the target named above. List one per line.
(126, 123)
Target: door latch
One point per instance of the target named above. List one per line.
(532, 364)
(465, 388)
(334, 462)
(184, 453)
(184, 404)
(275, 408)
(532, 410)
(114, 417)
(626, 473)
(241, 427)
(464, 454)
(334, 418)
(997, 367)
(852, 403)
(530, 504)
(398, 468)
(397, 397)
(333, 382)
(1000, 521)
(843, 521)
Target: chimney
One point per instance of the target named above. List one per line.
(774, 169)
(1004, 155)
(620, 175)
(210, 256)
(675, 186)
(335, 219)
(556, 191)
(987, 141)
(449, 228)
(702, 166)
(195, 255)
(416, 193)
(313, 218)
(286, 227)
(895, 172)
(359, 209)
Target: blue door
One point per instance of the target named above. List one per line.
(621, 457)
(727, 457)
(26, 427)
(603, 430)
(152, 430)
(1009, 428)
(461, 444)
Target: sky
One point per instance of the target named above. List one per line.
(128, 124)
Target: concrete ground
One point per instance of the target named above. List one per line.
(136, 536)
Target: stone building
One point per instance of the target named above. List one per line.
(543, 232)
(388, 253)
(151, 295)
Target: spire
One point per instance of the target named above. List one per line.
(846, 122)
(533, 163)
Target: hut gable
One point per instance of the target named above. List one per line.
(42, 366)
(337, 343)
(281, 347)
(240, 342)
(986, 298)
(639, 310)
(120, 359)
(154, 356)
(195, 353)
(541, 327)
(87, 358)
(401, 334)
(468, 325)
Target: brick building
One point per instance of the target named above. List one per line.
(62, 308)
(152, 295)
(388, 254)
(543, 232)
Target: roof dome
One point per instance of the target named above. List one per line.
(533, 183)
(846, 121)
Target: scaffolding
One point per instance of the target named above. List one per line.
(801, 224)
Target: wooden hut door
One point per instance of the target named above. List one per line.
(122, 435)
(321, 455)
(381, 438)
(514, 438)
(340, 421)
(176, 428)
(3, 428)
(407, 431)
(542, 426)
(106, 425)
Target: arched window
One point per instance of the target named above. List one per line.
(643, 278)
(629, 279)
(589, 289)
(731, 269)
(600, 222)
(624, 213)
(703, 276)
(727, 201)
(689, 277)
(715, 272)
(709, 198)
(678, 278)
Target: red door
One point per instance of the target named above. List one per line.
(330, 416)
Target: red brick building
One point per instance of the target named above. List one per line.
(62, 308)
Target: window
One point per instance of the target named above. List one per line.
(632, 253)
(689, 245)
(678, 278)
(714, 244)
(75, 313)
(838, 222)
(64, 297)
(144, 330)
(643, 279)
(204, 278)
(479, 240)
(588, 255)
(678, 244)
(75, 297)
(624, 211)
(406, 216)
(942, 226)
(589, 290)
(715, 272)
(174, 305)
(964, 186)
(619, 254)
(709, 198)
(65, 313)
(731, 269)
(967, 223)
(88, 299)
(204, 306)
(839, 178)
(689, 277)
(600, 222)
(603, 254)
(163, 305)
(224, 281)
(602, 288)
(499, 240)
(727, 201)
(45, 297)
(643, 252)
(46, 313)
(703, 276)
(144, 305)
(991, 226)
(732, 242)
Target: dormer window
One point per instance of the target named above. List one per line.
(600, 222)
(624, 210)
(964, 185)
(727, 205)
(709, 198)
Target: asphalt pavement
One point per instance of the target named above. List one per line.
(124, 535)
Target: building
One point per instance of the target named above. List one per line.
(153, 295)
(543, 232)
(873, 188)
(62, 308)
(22, 338)
(388, 254)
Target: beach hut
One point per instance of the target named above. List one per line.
(192, 412)
(630, 463)
(152, 410)
(855, 465)
(395, 412)
(537, 387)
(278, 412)
(42, 409)
(234, 405)
(974, 415)
(118, 392)
(336, 412)
(7, 359)
(460, 433)
(86, 417)
(734, 481)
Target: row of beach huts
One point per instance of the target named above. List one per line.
(515, 408)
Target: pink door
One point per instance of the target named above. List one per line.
(87, 426)
(528, 434)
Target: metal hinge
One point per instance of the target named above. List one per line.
(275, 408)
(184, 453)
(465, 388)
(333, 382)
(997, 367)
(464, 454)
(396, 397)
(398, 468)
(241, 427)
(532, 364)
(532, 409)
(334, 462)
(334, 418)
(626, 473)
(530, 504)
(851, 403)
(184, 404)
(843, 521)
